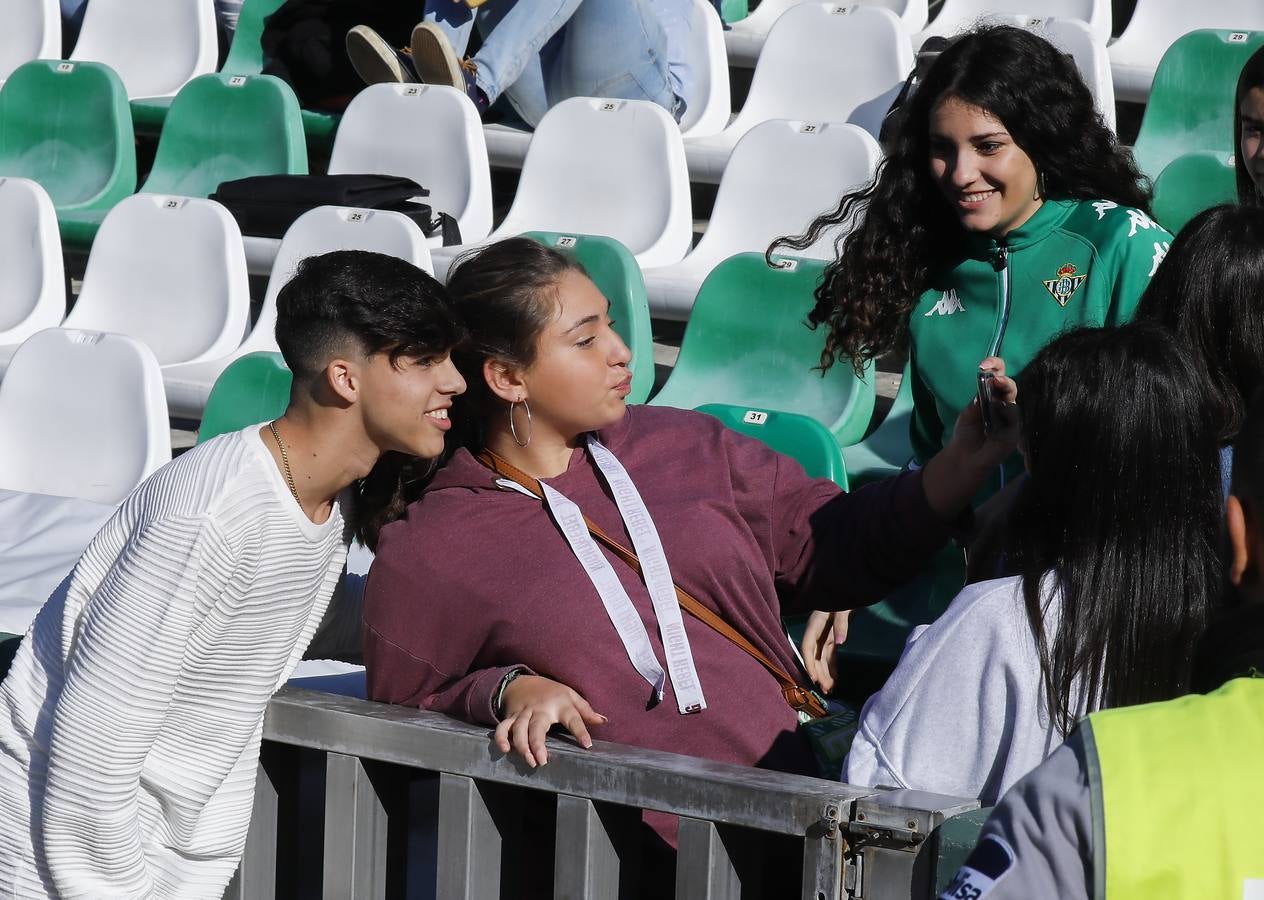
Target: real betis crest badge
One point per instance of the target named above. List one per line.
(1063, 287)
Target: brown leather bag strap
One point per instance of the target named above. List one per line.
(798, 697)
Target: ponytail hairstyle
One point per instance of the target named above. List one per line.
(505, 295)
(905, 229)
(1252, 77)
(1122, 512)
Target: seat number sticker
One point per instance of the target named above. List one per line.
(841, 10)
(786, 265)
(171, 204)
(355, 217)
(412, 91)
(809, 128)
(1238, 37)
(237, 81)
(755, 417)
(567, 241)
(65, 67)
(608, 106)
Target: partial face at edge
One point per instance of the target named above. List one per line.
(580, 379)
(1252, 138)
(988, 181)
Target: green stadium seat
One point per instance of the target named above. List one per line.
(220, 128)
(613, 268)
(802, 438)
(245, 57)
(747, 344)
(888, 448)
(67, 126)
(254, 388)
(734, 10)
(1192, 183)
(1191, 100)
(952, 842)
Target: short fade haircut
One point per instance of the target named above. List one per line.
(371, 302)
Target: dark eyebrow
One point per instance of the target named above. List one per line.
(974, 138)
(586, 320)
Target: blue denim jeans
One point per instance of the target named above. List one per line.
(541, 52)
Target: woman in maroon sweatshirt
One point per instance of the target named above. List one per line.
(477, 605)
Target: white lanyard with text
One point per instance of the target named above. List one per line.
(654, 567)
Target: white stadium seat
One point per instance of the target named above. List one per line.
(1155, 26)
(1076, 38)
(605, 167)
(958, 15)
(781, 176)
(32, 289)
(822, 63)
(429, 133)
(317, 231)
(745, 39)
(710, 104)
(156, 47)
(32, 30)
(82, 414)
(707, 111)
(171, 272)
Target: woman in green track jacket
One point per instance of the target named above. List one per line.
(1004, 214)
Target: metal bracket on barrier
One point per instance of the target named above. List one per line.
(885, 837)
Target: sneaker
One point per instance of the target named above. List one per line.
(434, 59)
(375, 60)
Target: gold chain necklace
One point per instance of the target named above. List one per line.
(285, 462)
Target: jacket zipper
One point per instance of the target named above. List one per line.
(1000, 263)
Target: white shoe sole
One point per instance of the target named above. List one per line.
(375, 60)
(433, 57)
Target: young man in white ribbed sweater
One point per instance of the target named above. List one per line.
(131, 718)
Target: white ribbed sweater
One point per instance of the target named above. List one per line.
(131, 719)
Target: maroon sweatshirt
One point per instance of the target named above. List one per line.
(476, 579)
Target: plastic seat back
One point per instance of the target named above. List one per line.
(328, 228)
(889, 448)
(254, 388)
(747, 345)
(825, 62)
(82, 414)
(245, 54)
(156, 47)
(802, 438)
(745, 40)
(1158, 24)
(224, 127)
(614, 270)
(33, 290)
(1191, 101)
(608, 167)
(171, 272)
(781, 176)
(68, 126)
(429, 133)
(1192, 183)
(958, 15)
(710, 102)
(32, 30)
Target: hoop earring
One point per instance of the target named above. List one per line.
(512, 429)
(1041, 190)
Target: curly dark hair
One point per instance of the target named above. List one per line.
(906, 230)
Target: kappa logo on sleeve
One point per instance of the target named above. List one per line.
(948, 304)
(986, 866)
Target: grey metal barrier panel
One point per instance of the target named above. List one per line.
(374, 760)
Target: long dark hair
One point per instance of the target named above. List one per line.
(906, 230)
(1209, 292)
(504, 296)
(1252, 77)
(1123, 510)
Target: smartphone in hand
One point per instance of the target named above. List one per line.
(987, 405)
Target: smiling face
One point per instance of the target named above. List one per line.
(990, 183)
(580, 378)
(1252, 138)
(405, 403)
